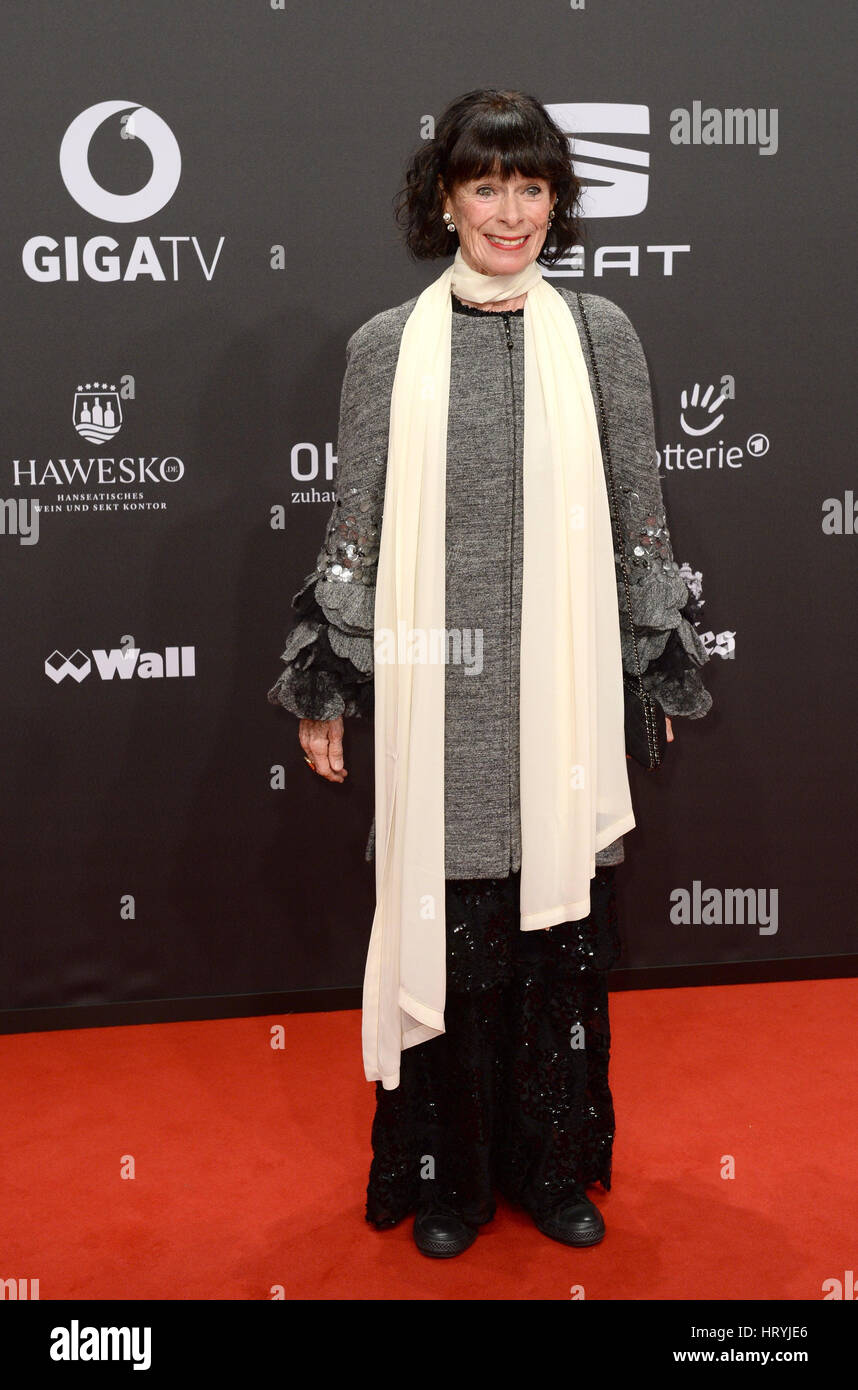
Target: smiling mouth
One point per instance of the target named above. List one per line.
(506, 243)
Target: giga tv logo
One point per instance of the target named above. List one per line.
(123, 662)
(46, 258)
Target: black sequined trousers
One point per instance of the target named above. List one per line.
(514, 1096)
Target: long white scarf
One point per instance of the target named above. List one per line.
(574, 789)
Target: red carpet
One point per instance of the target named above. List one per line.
(251, 1163)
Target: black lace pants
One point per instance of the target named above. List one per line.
(514, 1096)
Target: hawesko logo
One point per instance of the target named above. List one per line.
(97, 412)
(107, 482)
(123, 662)
(139, 124)
(620, 191)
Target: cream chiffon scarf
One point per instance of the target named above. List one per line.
(574, 793)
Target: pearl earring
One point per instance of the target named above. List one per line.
(451, 226)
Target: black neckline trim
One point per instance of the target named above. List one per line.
(460, 308)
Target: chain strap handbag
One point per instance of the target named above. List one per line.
(644, 719)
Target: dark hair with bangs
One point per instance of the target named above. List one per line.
(488, 132)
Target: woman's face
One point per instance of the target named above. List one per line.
(502, 222)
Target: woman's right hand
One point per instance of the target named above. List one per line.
(322, 741)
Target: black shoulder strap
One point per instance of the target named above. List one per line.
(613, 495)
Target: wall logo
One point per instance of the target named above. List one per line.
(47, 258)
(123, 662)
(97, 413)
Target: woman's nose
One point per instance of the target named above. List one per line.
(509, 210)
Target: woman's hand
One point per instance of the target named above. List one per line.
(322, 741)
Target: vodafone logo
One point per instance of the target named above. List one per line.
(140, 124)
(152, 255)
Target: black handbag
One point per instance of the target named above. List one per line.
(646, 731)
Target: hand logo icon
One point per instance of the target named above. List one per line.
(703, 407)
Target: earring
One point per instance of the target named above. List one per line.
(451, 226)
(551, 215)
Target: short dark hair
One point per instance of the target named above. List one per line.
(484, 132)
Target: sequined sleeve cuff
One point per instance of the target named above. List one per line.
(329, 653)
(669, 647)
(319, 681)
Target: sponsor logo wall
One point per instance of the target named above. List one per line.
(191, 233)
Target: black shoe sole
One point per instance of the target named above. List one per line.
(443, 1250)
(555, 1233)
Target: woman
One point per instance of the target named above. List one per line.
(481, 625)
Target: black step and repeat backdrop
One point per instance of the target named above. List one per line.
(196, 216)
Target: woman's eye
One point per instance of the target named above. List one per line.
(486, 188)
(534, 189)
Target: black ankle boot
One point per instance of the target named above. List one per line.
(440, 1231)
(573, 1220)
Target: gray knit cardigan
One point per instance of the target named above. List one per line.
(329, 652)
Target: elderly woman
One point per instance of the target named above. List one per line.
(470, 594)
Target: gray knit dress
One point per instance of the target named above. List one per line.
(329, 652)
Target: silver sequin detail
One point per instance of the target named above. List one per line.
(349, 554)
